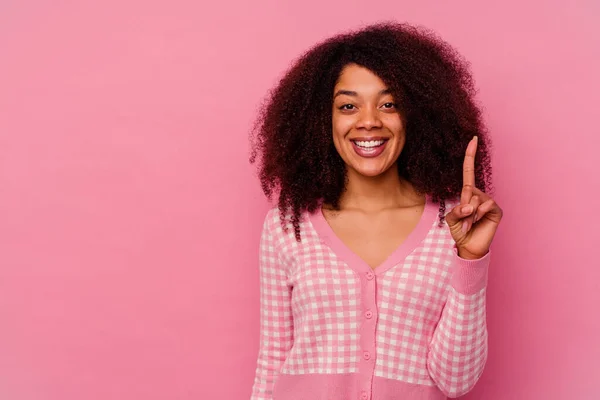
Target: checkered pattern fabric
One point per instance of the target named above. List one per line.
(429, 331)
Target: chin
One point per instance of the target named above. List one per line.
(371, 172)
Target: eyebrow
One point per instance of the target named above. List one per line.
(353, 93)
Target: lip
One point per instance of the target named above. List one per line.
(371, 153)
(366, 139)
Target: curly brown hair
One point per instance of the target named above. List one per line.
(433, 88)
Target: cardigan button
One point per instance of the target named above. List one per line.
(364, 395)
(366, 355)
(370, 275)
(368, 314)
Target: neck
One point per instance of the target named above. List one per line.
(384, 191)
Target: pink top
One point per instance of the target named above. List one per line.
(332, 328)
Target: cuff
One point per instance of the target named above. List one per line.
(470, 276)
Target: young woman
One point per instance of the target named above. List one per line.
(374, 264)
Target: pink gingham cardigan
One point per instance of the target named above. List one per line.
(333, 328)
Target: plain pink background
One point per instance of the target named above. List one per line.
(130, 217)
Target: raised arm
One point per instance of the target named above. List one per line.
(459, 348)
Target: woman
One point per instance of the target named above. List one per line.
(374, 264)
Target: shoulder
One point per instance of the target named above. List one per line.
(279, 225)
(440, 227)
(272, 218)
(450, 204)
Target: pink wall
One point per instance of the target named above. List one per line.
(130, 218)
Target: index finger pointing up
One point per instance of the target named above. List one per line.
(469, 172)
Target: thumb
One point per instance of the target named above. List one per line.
(457, 214)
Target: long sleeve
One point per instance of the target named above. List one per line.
(276, 323)
(459, 347)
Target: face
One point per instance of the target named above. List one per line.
(368, 132)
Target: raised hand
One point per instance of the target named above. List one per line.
(473, 223)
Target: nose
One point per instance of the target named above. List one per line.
(369, 118)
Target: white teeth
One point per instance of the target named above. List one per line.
(370, 143)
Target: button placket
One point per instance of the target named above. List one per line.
(367, 333)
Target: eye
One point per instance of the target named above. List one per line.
(389, 105)
(347, 107)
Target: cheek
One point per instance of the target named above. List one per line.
(338, 140)
(340, 130)
(336, 129)
(339, 133)
(394, 123)
(341, 126)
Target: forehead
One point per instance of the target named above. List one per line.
(357, 78)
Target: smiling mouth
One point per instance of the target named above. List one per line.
(369, 144)
(369, 148)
